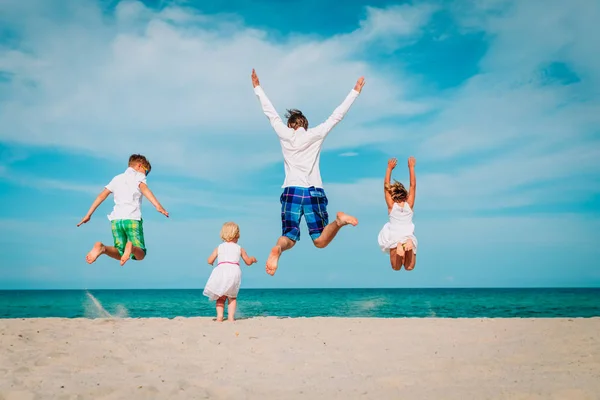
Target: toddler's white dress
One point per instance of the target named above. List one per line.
(399, 229)
(226, 277)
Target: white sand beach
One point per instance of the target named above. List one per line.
(309, 358)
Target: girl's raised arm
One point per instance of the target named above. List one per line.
(213, 256)
(413, 182)
(386, 183)
(247, 259)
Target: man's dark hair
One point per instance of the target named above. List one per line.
(295, 119)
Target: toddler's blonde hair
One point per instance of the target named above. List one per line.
(230, 231)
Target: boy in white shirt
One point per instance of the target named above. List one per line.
(303, 192)
(126, 217)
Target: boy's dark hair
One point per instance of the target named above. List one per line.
(296, 119)
(138, 158)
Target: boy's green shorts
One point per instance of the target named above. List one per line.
(128, 230)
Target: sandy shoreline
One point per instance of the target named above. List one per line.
(312, 358)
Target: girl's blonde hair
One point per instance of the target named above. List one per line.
(230, 231)
(397, 191)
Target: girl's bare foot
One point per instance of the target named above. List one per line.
(410, 257)
(400, 253)
(273, 260)
(126, 253)
(96, 251)
(345, 219)
(410, 260)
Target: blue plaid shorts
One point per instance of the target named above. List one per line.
(298, 201)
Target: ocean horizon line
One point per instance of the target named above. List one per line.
(314, 288)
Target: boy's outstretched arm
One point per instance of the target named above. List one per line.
(339, 113)
(247, 259)
(213, 256)
(392, 162)
(413, 182)
(150, 196)
(101, 197)
(280, 128)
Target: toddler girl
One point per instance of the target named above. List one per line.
(224, 281)
(397, 236)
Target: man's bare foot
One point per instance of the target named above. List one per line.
(219, 319)
(273, 260)
(126, 253)
(96, 251)
(345, 219)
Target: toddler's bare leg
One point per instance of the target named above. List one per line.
(231, 309)
(283, 243)
(220, 308)
(333, 228)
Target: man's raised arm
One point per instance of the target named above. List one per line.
(339, 113)
(280, 128)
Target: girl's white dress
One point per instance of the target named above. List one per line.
(399, 229)
(226, 277)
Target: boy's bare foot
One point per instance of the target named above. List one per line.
(345, 219)
(96, 251)
(126, 253)
(273, 260)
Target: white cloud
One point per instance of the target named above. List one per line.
(472, 250)
(7, 174)
(392, 26)
(400, 20)
(527, 178)
(168, 194)
(349, 154)
(508, 103)
(175, 83)
(512, 136)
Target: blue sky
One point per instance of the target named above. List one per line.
(498, 100)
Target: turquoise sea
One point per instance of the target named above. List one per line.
(385, 303)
